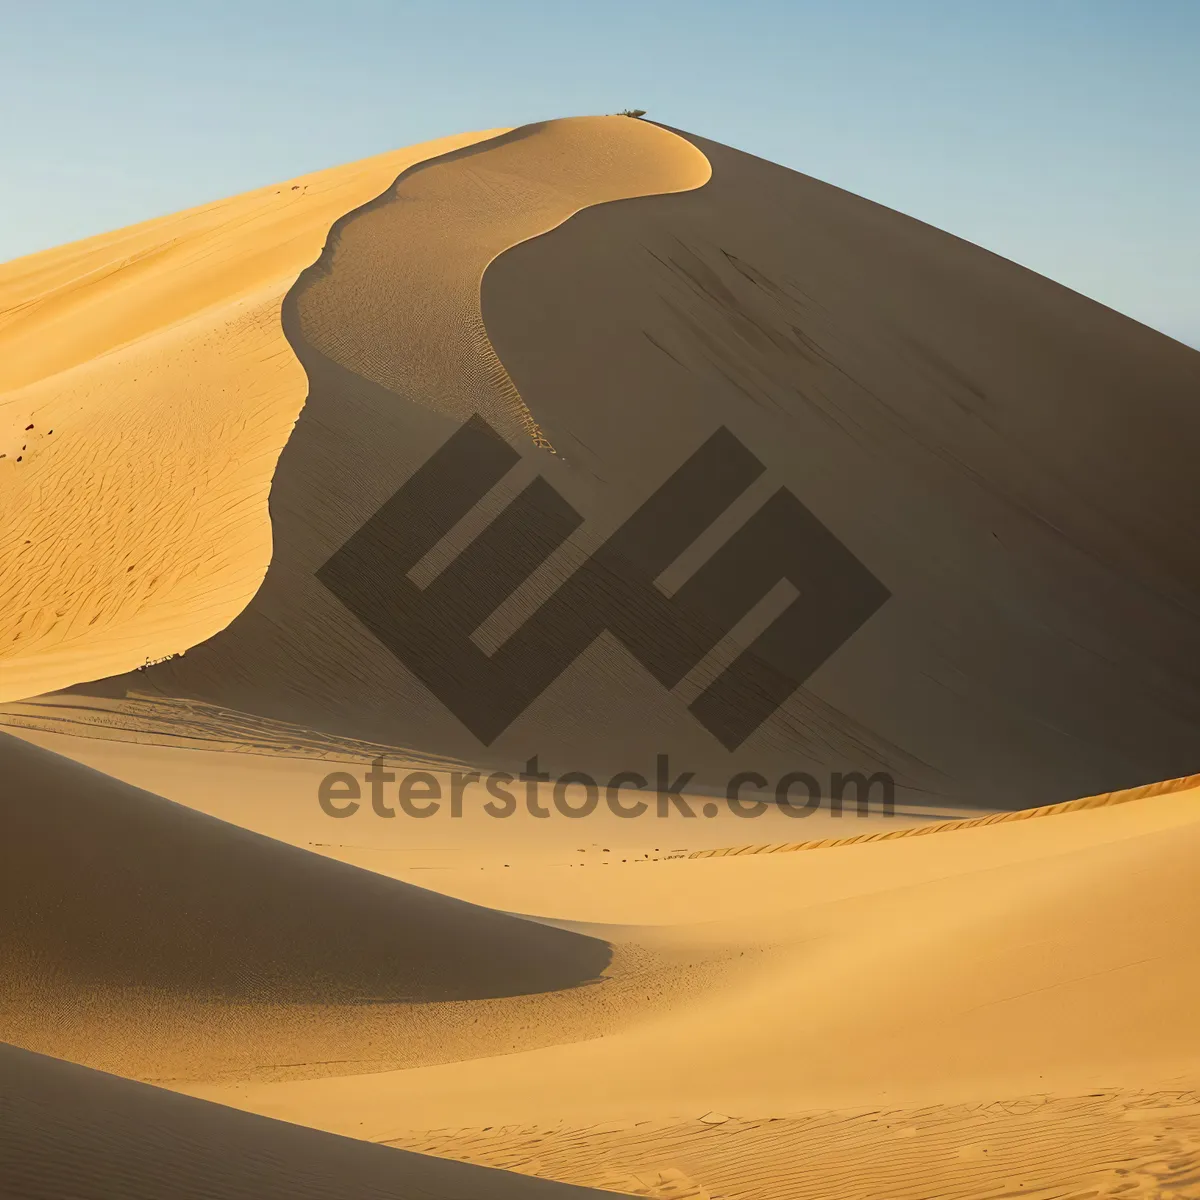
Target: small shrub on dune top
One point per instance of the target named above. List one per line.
(632, 112)
(153, 662)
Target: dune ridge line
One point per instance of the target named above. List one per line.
(395, 296)
(1103, 800)
(387, 326)
(146, 393)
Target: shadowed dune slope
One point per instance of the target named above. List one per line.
(1012, 461)
(107, 888)
(69, 1133)
(146, 389)
(152, 940)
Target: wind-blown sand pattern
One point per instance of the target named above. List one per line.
(1103, 1144)
(146, 390)
(674, 1008)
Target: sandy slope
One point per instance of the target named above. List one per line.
(991, 989)
(1109, 1143)
(1015, 960)
(387, 325)
(915, 987)
(1021, 990)
(395, 298)
(281, 923)
(148, 938)
(68, 1133)
(146, 390)
(1010, 458)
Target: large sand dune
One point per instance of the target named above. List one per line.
(997, 500)
(387, 325)
(975, 485)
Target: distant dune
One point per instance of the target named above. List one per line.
(606, 444)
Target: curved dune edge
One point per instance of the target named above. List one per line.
(1051, 965)
(252, 949)
(387, 326)
(67, 1131)
(82, 850)
(147, 388)
(263, 960)
(1104, 800)
(1006, 457)
(395, 296)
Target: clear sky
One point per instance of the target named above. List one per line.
(1064, 134)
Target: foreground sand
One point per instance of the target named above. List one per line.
(1001, 1007)
(931, 1015)
(69, 1132)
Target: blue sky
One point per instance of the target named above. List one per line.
(1064, 134)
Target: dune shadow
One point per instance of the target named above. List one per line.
(109, 887)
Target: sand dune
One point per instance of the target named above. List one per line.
(1104, 800)
(68, 1132)
(146, 390)
(1024, 992)
(1009, 458)
(1017, 960)
(617, 443)
(146, 937)
(234, 915)
(1003, 988)
(403, 276)
(1000, 463)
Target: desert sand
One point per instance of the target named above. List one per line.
(207, 979)
(147, 390)
(68, 1131)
